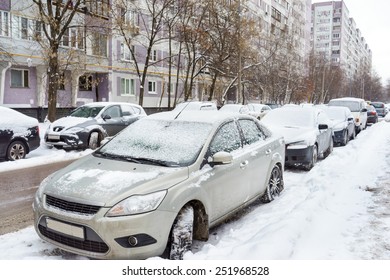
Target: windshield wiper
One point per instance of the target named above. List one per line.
(106, 155)
(148, 160)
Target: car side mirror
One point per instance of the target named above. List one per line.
(364, 110)
(322, 126)
(350, 119)
(106, 117)
(220, 158)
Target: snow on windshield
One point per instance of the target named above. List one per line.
(169, 141)
(87, 111)
(353, 106)
(289, 117)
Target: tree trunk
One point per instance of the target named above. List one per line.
(53, 84)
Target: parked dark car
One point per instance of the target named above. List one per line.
(19, 134)
(307, 132)
(372, 115)
(89, 124)
(380, 108)
(342, 124)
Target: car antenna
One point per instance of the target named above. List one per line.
(178, 114)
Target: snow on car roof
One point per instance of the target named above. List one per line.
(106, 103)
(10, 118)
(196, 116)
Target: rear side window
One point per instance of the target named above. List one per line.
(251, 132)
(227, 139)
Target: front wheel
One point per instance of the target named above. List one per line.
(181, 235)
(314, 158)
(275, 185)
(93, 142)
(16, 150)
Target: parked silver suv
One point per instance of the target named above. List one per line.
(160, 183)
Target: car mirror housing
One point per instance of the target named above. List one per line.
(106, 117)
(221, 158)
(364, 110)
(322, 126)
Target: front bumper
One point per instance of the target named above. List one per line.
(100, 237)
(66, 141)
(295, 155)
(338, 136)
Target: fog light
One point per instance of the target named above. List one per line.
(133, 241)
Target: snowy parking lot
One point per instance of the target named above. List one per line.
(337, 211)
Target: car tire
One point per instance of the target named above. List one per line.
(180, 240)
(16, 150)
(314, 158)
(93, 142)
(275, 185)
(353, 136)
(345, 138)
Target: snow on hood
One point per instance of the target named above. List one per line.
(295, 134)
(69, 121)
(100, 181)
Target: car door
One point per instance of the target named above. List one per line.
(324, 134)
(228, 185)
(112, 119)
(129, 115)
(257, 153)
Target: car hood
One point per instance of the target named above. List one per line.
(105, 182)
(294, 134)
(69, 121)
(338, 124)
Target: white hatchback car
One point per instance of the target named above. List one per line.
(159, 184)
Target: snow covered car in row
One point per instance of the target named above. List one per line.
(89, 124)
(306, 130)
(19, 134)
(342, 123)
(160, 183)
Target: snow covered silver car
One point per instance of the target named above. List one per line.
(306, 130)
(89, 124)
(160, 183)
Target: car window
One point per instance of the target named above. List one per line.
(86, 111)
(113, 112)
(251, 131)
(227, 139)
(127, 110)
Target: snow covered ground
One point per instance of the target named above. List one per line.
(338, 211)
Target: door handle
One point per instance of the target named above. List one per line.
(268, 152)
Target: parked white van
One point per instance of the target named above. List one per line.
(358, 108)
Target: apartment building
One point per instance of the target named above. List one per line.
(336, 38)
(96, 61)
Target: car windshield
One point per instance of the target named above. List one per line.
(86, 111)
(378, 105)
(160, 142)
(336, 114)
(289, 118)
(353, 106)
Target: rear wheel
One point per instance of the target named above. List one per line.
(274, 186)
(181, 237)
(16, 150)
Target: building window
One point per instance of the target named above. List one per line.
(85, 83)
(19, 78)
(129, 17)
(276, 14)
(153, 55)
(127, 86)
(152, 87)
(126, 52)
(99, 7)
(74, 38)
(4, 23)
(99, 44)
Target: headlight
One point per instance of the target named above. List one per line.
(39, 193)
(74, 129)
(298, 145)
(137, 204)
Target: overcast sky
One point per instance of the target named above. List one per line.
(373, 19)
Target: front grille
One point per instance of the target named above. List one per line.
(73, 207)
(86, 245)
